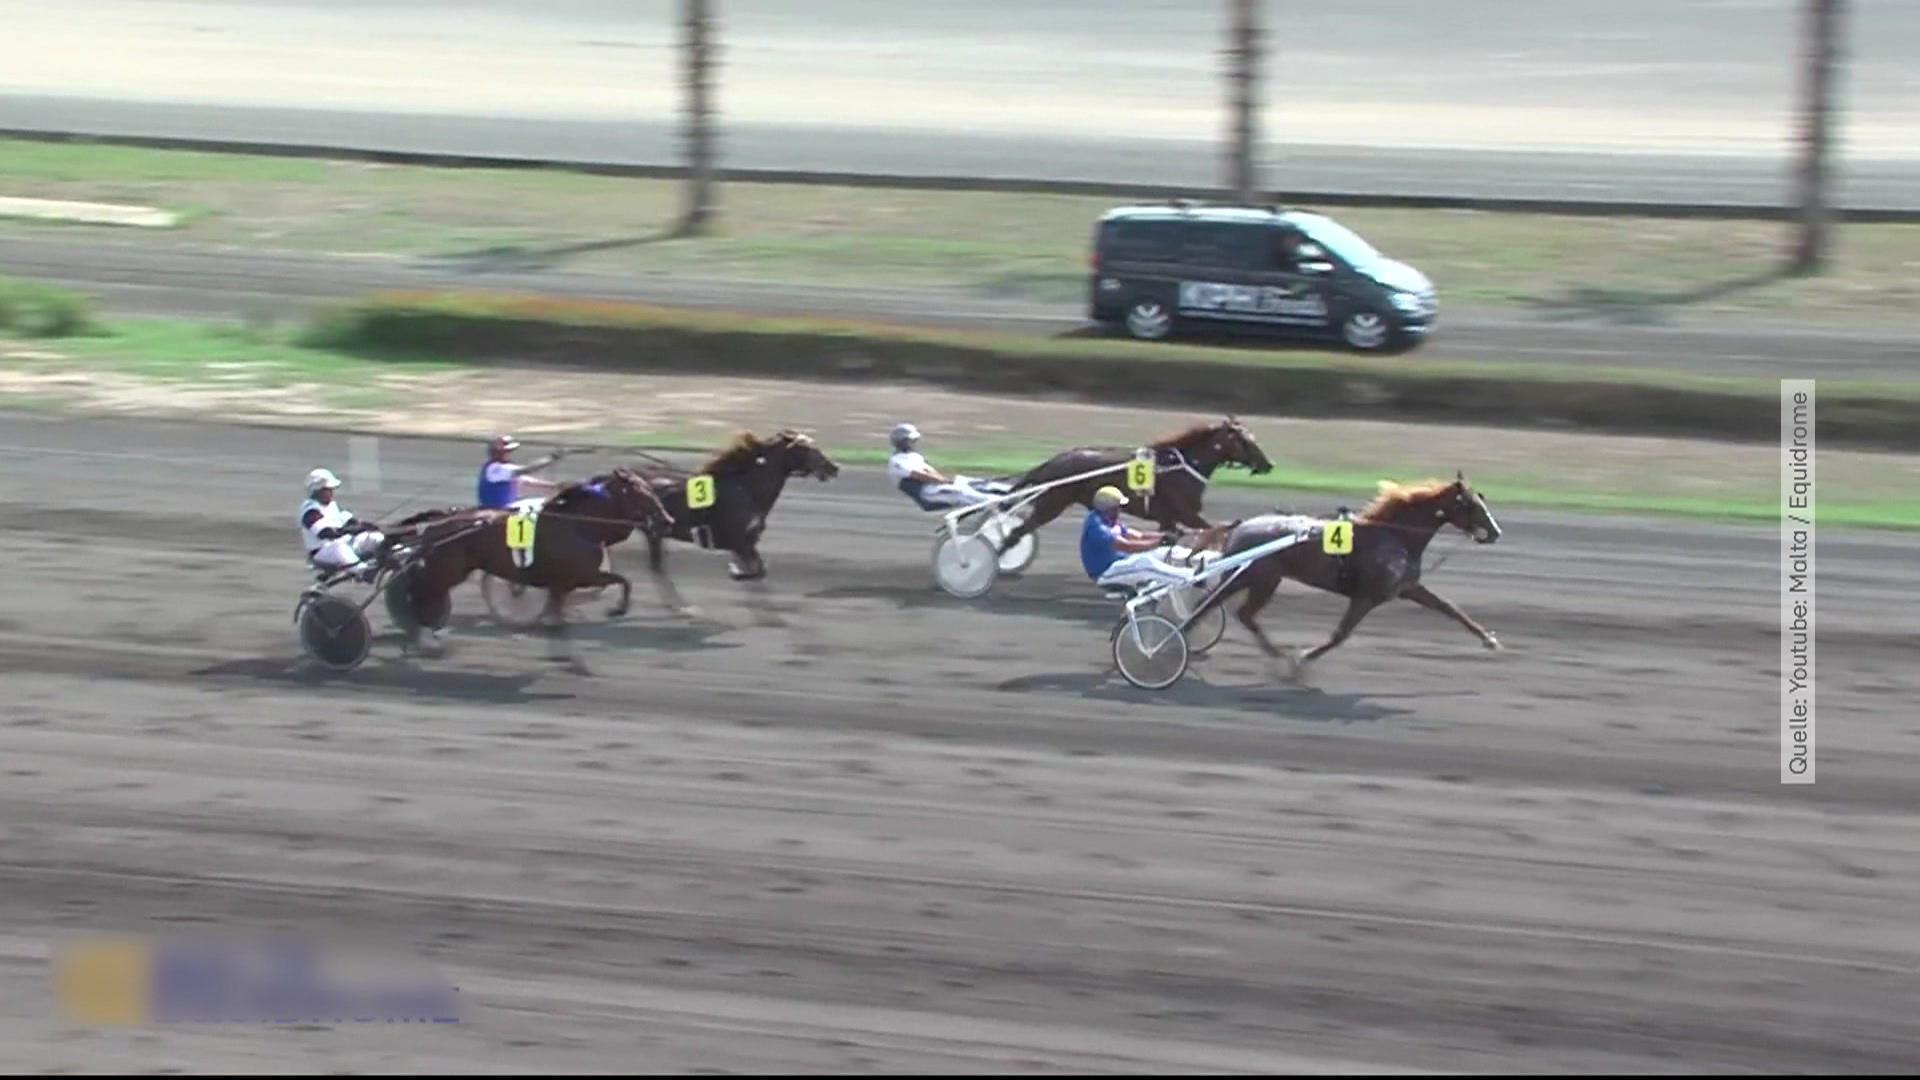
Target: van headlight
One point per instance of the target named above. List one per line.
(1408, 302)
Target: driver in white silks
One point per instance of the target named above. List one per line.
(923, 483)
(335, 539)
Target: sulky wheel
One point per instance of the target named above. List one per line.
(334, 631)
(1150, 652)
(1019, 556)
(1205, 633)
(966, 566)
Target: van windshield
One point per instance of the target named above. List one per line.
(1341, 240)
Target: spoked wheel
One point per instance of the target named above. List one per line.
(1205, 633)
(334, 631)
(964, 567)
(1019, 556)
(1150, 652)
(511, 603)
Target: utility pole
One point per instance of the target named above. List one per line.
(1243, 70)
(1820, 53)
(696, 54)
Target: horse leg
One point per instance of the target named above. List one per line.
(604, 578)
(1357, 608)
(657, 566)
(747, 565)
(1427, 598)
(1048, 506)
(1259, 593)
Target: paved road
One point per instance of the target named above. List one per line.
(842, 822)
(1684, 100)
(162, 278)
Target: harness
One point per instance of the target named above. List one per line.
(1171, 457)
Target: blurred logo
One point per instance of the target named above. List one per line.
(140, 981)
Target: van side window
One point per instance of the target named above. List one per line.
(1228, 246)
(1142, 241)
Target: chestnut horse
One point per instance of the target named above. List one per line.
(1389, 538)
(1184, 463)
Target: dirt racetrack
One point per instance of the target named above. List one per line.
(841, 821)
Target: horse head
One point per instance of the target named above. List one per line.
(1235, 445)
(799, 455)
(636, 499)
(1438, 503)
(1468, 511)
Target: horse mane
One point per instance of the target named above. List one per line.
(1393, 496)
(744, 445)
(1193, 432)
(570, 494)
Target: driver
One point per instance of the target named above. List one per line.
(500, 478)
(1103, 540)
(335, 539)
(923, 483)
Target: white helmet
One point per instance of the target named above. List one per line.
(904, 435)
(321, 478)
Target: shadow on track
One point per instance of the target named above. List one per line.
(1279, 702)
(618, 634)
(397, 673)
(1073, 607)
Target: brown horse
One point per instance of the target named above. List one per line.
(1389, 538)
(1184, 463)
(749, 474)
(572, 532)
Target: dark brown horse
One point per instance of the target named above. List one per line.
(572, 532)
(1184, 463)
(1389, 538)
(748, 476)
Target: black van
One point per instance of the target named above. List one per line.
(1163, 268)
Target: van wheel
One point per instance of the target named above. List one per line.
(1149, 320)
(1368, 331)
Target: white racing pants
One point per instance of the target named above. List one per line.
(964, 491)
(346, 552)
(1144, 568)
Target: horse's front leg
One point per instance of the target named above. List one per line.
(657, 566)
(1357, 609)
(1427, 598)
(607, 577)
(746, 564)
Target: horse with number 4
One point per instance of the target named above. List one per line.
(1169, 476)
(559, 548)
(1371, 560)
(725, 503)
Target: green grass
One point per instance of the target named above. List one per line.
(979, 243)
(174, 350)
(1701, 481)
(1735, 501)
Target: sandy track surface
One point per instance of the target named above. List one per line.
(841, 821)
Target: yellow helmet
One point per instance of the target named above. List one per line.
(1108, 497)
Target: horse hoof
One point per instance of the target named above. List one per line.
(686, 611)
(1493, 644)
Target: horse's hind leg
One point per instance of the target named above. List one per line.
(1045, 508)
(1258, 594)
